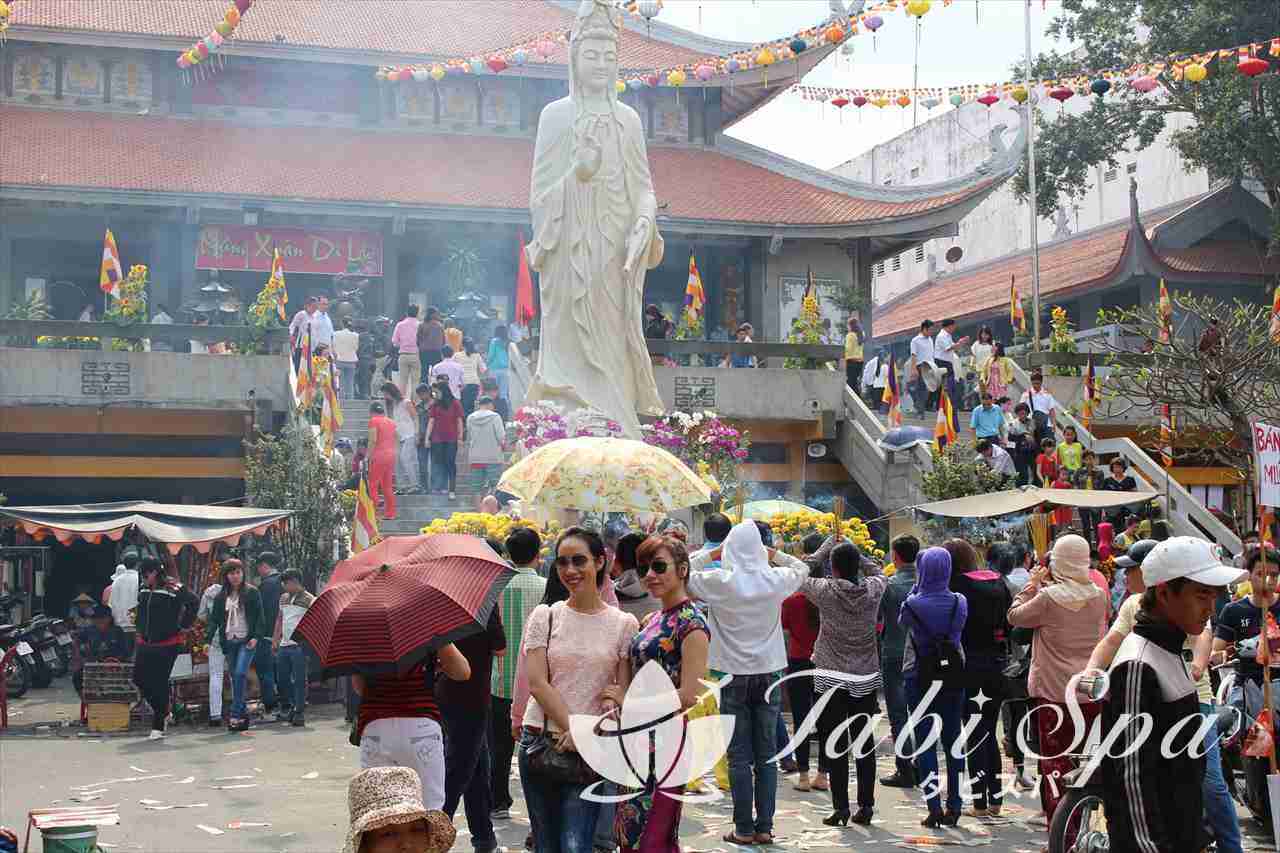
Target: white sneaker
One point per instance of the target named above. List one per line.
(1024, 781)
(155, 735)
(452, 496)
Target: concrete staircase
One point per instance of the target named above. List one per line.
(413, 512)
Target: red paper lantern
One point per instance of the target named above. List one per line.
(651, 80)
(835, 34)
(202, 50)
(840, 103)
(903, 101)
(1252, 66)
(242, 6)
(988, 99)
(859, 101)
(497, 64)
(1061, 93)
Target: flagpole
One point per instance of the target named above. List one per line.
(1031, 182)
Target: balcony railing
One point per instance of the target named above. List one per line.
(67, 334)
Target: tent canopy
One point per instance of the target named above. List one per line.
(1021, 500)
(173, 524)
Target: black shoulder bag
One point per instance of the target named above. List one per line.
(564, 768)
(944, 662)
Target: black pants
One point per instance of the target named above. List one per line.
(466, 772)
(1014, 712)
(986, 674)
(444, 465)
(1089, 525)
(853, 375)
(470, 393)
(428, 358)
(839, 709)
(503, 749)
(151, 670)
(800, 695)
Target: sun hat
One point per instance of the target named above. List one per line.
(83, 598)
(383, 796)
(1188, 557)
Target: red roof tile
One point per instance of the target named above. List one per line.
(1074, 262)
(437, 28)
(49, 148)
(1223, 256)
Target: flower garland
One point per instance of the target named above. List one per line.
(792, 528)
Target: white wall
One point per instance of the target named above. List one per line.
(956, 142)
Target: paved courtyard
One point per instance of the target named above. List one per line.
(277, 788)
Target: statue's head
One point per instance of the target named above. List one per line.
(593, 48)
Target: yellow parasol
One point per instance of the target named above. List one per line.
(605, 475)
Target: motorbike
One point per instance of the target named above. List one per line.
(1079, 823)
(1236, 718)
(64, 635)
(19, 671)
(36, 633)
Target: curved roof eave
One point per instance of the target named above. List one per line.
(668, 32)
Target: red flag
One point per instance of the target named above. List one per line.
(525, 311)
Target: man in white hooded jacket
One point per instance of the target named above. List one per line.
(122, 596)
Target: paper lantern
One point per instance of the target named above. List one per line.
(437, 72)
(233, 16)
(903, 101)
(873, 22)
(217, 40)
(420, 74)
(477, 66)
(1019, 94)
(1252, 66)
(202, 50)
(520, 57)
(634, 84)
(648, 9)
(497, 64)
(544, 49)
(704, 72)
(956, 100)
(1061, 93)
(1100, 86)
(834, 34)
(840, 103)
(859, 101)
(223, 29)
(676, 78)
(652, 79)
(1145, 84)
(880, 103)
(988, 99)
(798, 45)
(380, 74)
(455, 70)
(930, 103)
(183, 62)
(733, 66)
(919, 8)
(242, 6)
(1195, 72)
(619, 87)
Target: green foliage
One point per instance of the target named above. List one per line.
(33, 308)
(1060, 340)
(290, 471)
(958, 473)
(1235, 127)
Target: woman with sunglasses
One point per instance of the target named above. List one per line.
(848, 605)
(678, 640)
(574, 650)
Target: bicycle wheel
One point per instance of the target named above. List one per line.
(1079, 825)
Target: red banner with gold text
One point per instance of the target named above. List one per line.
(242, 247)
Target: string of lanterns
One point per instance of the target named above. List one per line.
(764, 55)
(1143, 78)
(195, 56)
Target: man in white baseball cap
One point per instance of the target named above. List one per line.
(1183, 577)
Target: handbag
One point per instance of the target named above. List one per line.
(945, 662)
(547, 762)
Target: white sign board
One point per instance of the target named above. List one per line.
(1266, 460)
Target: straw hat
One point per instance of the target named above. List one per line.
(382, 796)
(83, 598)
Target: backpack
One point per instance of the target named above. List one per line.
(945, 661)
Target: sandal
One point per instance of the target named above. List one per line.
(733, 838)
(764, 838)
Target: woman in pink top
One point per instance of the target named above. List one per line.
(1069, 614)
(574, 650)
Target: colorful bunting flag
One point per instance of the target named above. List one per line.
(944, 431)
(892, 396)
(364, 527)
(112, 273)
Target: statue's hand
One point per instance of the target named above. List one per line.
(637, 243)
(588, 159)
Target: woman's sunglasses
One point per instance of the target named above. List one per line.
(578, 561)
(659, 567)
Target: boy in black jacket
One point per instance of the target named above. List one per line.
(1154, 798)
(164, 610)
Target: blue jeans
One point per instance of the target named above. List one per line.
(781, 735)
(466, 772)
(1219, 808)
(562, 821)
(948, 704)
(239, 656)
(264, 663)
(292, 661)
(753, 778)
(895, 703)
(606, 837)
(347, 380)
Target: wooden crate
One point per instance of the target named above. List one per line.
(108, 716)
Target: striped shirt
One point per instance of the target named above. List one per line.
(397, 697)
(518, 600)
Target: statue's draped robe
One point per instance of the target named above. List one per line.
(592, 348)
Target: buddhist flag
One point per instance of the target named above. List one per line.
(892, 396)
(306, 373)
(1166, 436)
(694, 296)
(525, 311)
(1017, 317)
(944, 432)
(364, 527)
(1165, 312)
(1275, 316)
(330, 411)
(112, 274)
(277, 279)
(1090, 395)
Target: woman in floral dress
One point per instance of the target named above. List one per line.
(678, 639)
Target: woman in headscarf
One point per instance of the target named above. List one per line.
(1069, 614)
(935, 617)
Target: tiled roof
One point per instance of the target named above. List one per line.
(47, 148)
(1074, 262)
(1223, 256)
(437, 28)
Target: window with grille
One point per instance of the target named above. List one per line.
(897, 262)
(920, 254)
(1109, 175)
(880, 268)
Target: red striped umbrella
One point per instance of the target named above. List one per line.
(388, 616)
